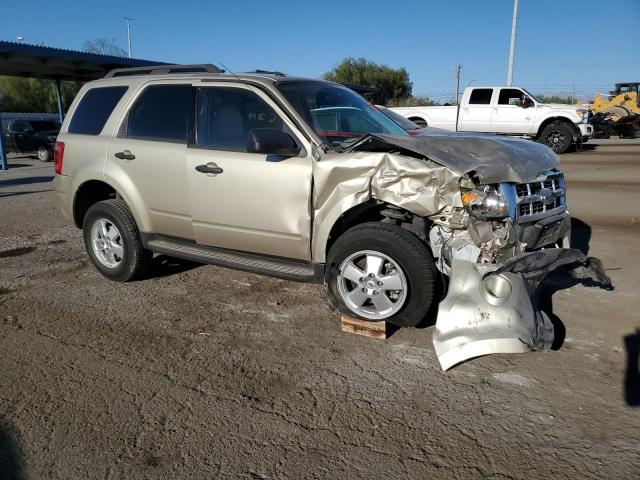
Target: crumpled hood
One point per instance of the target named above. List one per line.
(495, 158)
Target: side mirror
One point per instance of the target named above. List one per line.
(527, 103)
(271, 141)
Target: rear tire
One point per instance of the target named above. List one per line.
(406, 265)
(43, 154)
(113, 242)
(558, 136)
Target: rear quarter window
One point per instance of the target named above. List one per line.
(481, 96)
(94, 109)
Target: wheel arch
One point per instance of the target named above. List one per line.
(370, 211)
(94, 190)
(420, 120)
(548, 121)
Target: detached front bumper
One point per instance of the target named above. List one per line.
(494, 308)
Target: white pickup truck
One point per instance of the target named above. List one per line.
(509, 111)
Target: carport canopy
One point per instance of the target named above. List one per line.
(24, 60)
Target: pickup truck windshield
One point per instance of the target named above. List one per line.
(338, 115)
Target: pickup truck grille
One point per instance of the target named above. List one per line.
(541, 198)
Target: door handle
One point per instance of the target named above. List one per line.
(126, 155)
(210, 168)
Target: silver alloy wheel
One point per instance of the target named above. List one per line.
(43, 154)
(372, 285)
(107, 243)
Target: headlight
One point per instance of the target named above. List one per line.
(485, 202)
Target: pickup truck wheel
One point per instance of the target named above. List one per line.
(113, 243)
(44, 154)
(419, 121)
(557, 136)
(381, 272)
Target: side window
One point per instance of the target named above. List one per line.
(94, 110)
(163, 113)
(20, 126)
(510, 96)
(481, 96)
(225, 116)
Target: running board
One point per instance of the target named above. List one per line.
(298, 271)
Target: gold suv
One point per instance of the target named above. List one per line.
(305, 180)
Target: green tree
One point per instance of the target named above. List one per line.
(34, 94)
(104, 46)
(394, 84)
(417, 101)
(569, 99)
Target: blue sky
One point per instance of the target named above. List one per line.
(562, 44)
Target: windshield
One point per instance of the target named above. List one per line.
(537, 100)
(402, 122)
(338, 115)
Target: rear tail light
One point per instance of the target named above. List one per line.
(58, 155)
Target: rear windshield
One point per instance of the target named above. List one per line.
(94, 110)
(337, 114)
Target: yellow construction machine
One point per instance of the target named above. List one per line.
(617, 113)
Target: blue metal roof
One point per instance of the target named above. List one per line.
(24, 60)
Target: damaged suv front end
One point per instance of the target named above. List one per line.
(495, 218)
(491, 209)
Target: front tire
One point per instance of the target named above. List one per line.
(113, 242)
(558, 136)
(381, 272)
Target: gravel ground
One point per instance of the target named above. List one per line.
(202, 372)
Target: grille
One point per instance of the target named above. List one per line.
(541, 198)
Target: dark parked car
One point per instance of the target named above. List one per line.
(32, 136)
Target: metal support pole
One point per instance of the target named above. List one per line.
(128, 20)
(512, 48)
(458, 68)
(59, 95)
(3, 157)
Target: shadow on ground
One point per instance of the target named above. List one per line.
(11, 467)
(164, 266)
(16, 194)
(632, 375)
(24, 181)
(580, 235)
(19, 165)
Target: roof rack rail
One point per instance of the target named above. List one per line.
(164, 69)
(269, 72)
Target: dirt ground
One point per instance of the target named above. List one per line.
(202, 372)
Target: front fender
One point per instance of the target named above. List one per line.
(343, 181)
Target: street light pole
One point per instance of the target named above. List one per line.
(128, 20)
(512, 49)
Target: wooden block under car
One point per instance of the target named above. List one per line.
(380, 330)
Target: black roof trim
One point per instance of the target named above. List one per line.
(164, 70)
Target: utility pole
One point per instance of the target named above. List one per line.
(129, 20)
(458, 68)
(512, 49)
